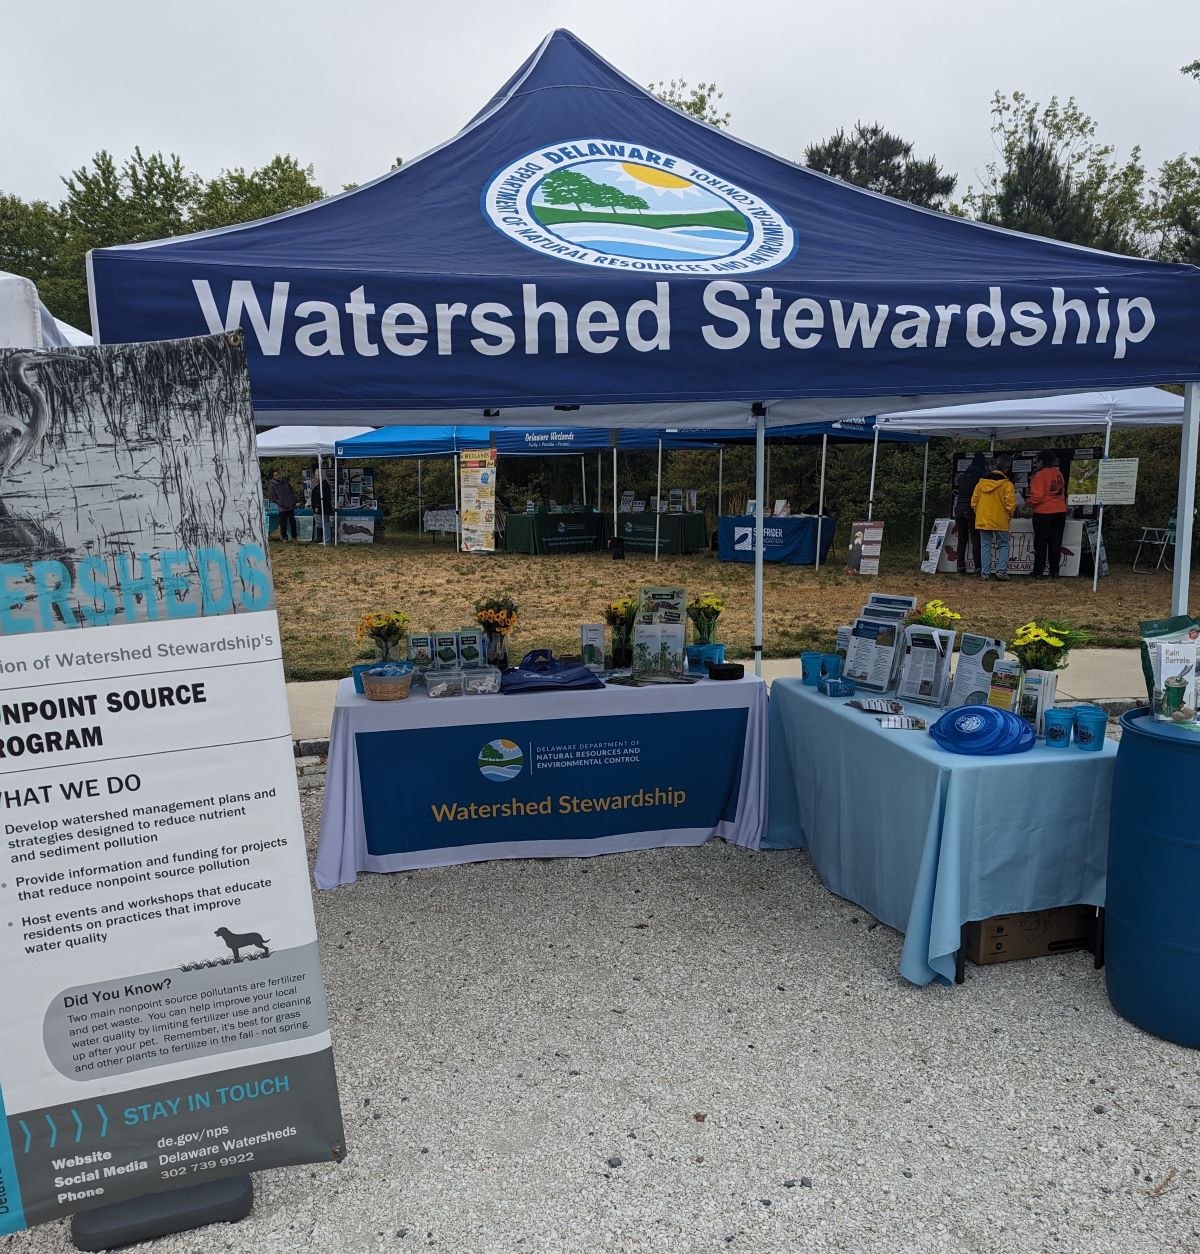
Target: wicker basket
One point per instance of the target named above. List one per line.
(387, 687)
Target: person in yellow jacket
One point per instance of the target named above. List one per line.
(993, 501)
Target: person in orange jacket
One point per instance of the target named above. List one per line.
(993, 501)
(1048, 498)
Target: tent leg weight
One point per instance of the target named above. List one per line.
(160, 1214)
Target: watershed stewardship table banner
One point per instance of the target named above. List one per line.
(165, 1017)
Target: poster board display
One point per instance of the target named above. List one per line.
(935, 544)
(866, 544)
(1020, 548)
(165, 1013)
(1082, 481)
(477, 487)
(356, 529)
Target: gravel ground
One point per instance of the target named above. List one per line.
(702, 1049)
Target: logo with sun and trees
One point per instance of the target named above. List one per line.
(625, 206)
(501, 760)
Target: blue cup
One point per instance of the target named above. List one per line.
(1057, 725)
(810, 669)
(1091, 722)
(831, 665)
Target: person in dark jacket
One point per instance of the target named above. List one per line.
(1048, 499)
(280, 491)
(322, 507)
(964, 516)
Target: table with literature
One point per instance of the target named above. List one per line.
(560, 532)
(928, 840)
(430, 781)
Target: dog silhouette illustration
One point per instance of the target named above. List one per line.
(237, 941)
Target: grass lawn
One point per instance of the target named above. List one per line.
(322, 592)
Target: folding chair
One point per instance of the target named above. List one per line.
(1164, 539)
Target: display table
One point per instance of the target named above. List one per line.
(677, 533)
(554, 533)
(434, 782)
(792, 541)
(1020, 549)
(928, 840)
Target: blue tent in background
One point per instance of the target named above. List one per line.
(413, 442)
(580, 242)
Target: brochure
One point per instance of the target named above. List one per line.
(662, 605)
(626, 506)
(973, 674)
(676, 499)
(925, 671)
(876, 705)
(1038, 689)
(934, 546)
(693, 500)
(889, 600)
(591, 645)
(901, 722)
(1174, 667)
(639, 507)
(658, 649)
(871, 658)
(1005, 686)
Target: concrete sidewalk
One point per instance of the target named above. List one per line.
(1109, 676)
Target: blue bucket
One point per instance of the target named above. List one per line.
(1091, 722)
(810, 669)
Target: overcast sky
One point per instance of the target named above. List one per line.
(349, 85)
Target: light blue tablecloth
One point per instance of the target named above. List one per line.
(928, 840)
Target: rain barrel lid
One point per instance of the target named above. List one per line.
(1141, 723)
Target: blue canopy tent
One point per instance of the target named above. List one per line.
(580, 242)
(418, 442)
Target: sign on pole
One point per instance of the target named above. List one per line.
(164, 1015)
(1116, 482)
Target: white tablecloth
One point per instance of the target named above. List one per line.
(619, 769)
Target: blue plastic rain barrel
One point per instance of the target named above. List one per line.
(1152, 911)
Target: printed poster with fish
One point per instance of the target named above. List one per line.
(165, 1015)
(477, 475)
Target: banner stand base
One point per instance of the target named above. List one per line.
(160, 1214)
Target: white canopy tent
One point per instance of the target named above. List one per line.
(26, 323)
(318, 442)
(1041, 417)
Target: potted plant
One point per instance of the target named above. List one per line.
(497, 616)
(1046, 646)
(704, 611)
(933, 613)
(619, 615)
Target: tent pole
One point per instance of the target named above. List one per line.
(658, 501)
(760, 442)
(599, 481)
(1100, 512)
(720, 478)
(924, 491)
(319, 480)
(336, 519)
(871, 490)
(821, 500)
(768, 484)
(420, 510)
(1186, 503)
(583, 476)
(614, 489)
(457, 510)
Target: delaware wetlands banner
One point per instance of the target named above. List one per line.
(164, 1015)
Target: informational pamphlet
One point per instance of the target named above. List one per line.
(658, 649)
(1038, 689)
(866, 544)
(871, 658)
(477, 474)
(977, 656)
(591, 645)
(676, 500)
(662, 605)
(1095, 543)
(901, 722)
(639, 507)
(1005, 686)
(693, 498)
(925, 669)
(164, 1016)
(626, 505)
(1082, 481)
(1174, 665)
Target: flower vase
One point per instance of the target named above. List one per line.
(497, 649)
(704, 631)
(622, 651)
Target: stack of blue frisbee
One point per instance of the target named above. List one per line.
(982, 730)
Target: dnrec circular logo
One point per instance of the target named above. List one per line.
(626, 206)
(500, 760)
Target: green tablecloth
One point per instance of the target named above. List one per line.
(554, 533)
(678, 533)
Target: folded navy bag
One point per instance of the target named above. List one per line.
(541, 671)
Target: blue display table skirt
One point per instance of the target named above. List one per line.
(792, 541)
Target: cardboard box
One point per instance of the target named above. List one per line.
(1034, 935)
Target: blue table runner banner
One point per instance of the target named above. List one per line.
(792, 541)
(576, 778)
